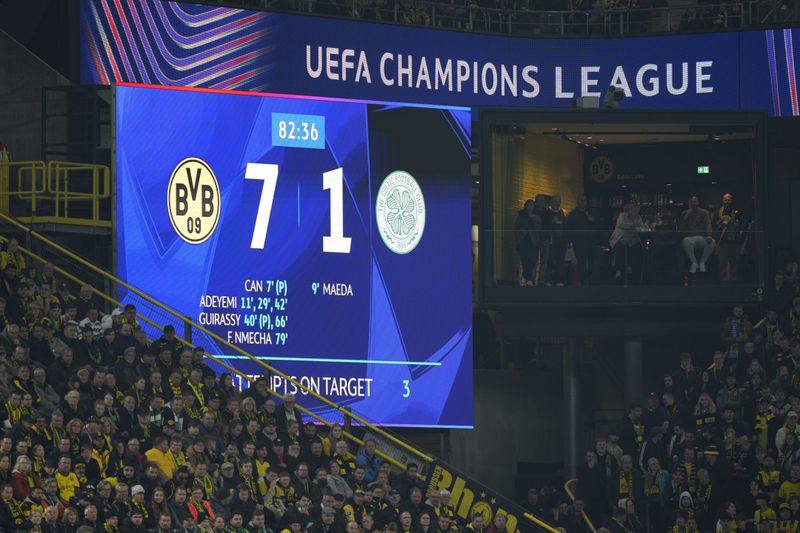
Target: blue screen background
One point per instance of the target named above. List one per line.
(409, 314)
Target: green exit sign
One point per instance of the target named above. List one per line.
(703, 170)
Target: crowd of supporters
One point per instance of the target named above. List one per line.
(717, 447)
(107, 431)
(528, 17)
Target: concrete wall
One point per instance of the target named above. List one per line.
(517, 418)
(22, 76)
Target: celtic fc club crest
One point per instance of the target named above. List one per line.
(400, 212)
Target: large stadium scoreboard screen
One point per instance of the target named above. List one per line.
(329, 238)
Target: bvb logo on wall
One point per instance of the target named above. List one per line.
(601, 169)
(469, 497)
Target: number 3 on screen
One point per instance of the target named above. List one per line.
(406, 388)
(332, 181)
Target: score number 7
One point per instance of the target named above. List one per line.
(332, 181)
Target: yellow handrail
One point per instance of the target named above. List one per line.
(51, 182)
(30, 169)
(568, 489)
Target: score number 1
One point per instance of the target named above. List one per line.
(332, 181)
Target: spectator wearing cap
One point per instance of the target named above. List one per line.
(354, 508)
(228, 478)
(61, 370)
(716, 465)
(269, 433)
(786, 522)
(763, 512)
(113, 320)
(327, 522)
(137, 504)
(168, 341)
(652, 414)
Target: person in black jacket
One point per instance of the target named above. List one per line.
(39, 348)
(527, 228)
(242, 502)
(631, 431)
(546, 216)
(591, 488)
(60, 371)
(327, 523)
(654, 447)
(558, 242)
(582, 226)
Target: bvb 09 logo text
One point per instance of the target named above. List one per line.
(193, 200)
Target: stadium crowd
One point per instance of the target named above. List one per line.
(717, 447)
(107, 431)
